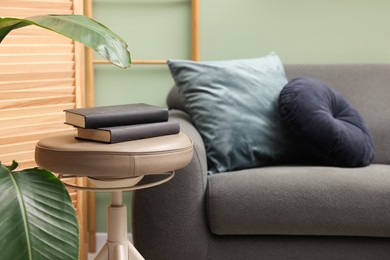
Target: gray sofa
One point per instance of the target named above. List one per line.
(278, 212)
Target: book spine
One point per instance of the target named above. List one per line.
(145, 131)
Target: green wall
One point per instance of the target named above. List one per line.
(299, 31)
(154, 29)
(302, 31)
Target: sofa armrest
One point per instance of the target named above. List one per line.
(189, 129)
(175, 100)
(171, 218)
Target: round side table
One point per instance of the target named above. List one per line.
(115, 168)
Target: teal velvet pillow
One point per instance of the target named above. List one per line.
(234, 106)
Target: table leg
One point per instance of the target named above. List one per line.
(117, 247)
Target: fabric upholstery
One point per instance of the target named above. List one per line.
(366, 87)
(325, 123)
(170, 220)
(233, 104)
(176, 212)
(296, 248)
(175, 100)
(301, 200)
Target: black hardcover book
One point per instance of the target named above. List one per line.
(104, 116)
(116, 134)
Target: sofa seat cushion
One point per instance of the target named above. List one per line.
(309, 200)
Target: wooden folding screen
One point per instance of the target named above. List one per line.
(41, 74)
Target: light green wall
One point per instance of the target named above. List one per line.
(302, 31)
(154, 29)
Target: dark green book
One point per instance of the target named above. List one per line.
(104, 116)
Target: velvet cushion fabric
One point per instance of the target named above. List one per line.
(234, 106)
(321, 118)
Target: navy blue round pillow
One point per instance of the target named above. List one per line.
(326, 124)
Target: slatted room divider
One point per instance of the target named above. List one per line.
(41, 74)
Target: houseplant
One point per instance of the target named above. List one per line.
(37, 219)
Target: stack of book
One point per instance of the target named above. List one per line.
(120, 123)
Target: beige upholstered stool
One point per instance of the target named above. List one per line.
(115, 168)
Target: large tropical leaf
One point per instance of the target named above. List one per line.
(79, 28)
(37, 219)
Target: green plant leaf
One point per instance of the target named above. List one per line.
(79, 28)
(37, 219)
(13, 166)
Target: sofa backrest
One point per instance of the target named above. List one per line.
(365, 86)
